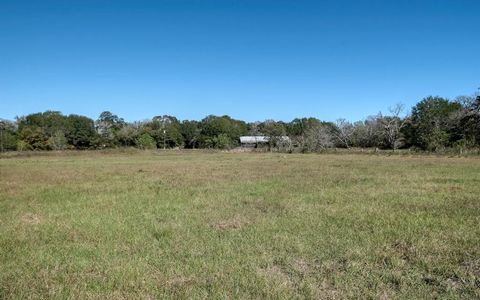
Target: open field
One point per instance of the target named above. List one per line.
(245, 225)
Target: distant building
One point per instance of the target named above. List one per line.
(255, 141)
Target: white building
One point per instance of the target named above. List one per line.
(253, 141)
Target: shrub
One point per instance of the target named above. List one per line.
(146, 141)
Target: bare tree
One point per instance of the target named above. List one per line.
(393, 124)
(344, 132)
(316, 138)
(467, 102)
(324, 138)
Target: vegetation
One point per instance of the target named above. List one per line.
(434, 124)
(258, 225)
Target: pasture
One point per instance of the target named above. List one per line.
(238, 225)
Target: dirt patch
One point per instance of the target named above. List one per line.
(472, 267)
(326, 290)
(275, 273)
(405, 250)
(230, 224)
(31, 219)
(180, 281)
(301, 266)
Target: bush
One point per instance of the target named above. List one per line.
(146, 141)
(58, 141)
(222, 141)
(23, 146)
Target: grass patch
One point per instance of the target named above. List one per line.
(246, 225)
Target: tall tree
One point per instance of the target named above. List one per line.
(33, 138)
(368, 133)
(36, 129)
(214, 126)
(108, 125)
(128, 134)
(393, 125)
(316, 138)
(191, 133)
(166, 131)
(465, 123)
(8, 135)
(300, 126)
(344, 131)
(430, 128)
(81, 132)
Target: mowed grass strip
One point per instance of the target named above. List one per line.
(220, 225)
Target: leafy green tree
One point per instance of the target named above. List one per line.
(310, 134)
(191, 134)
(50, 122)
(301, 126)
(213, 126)
(36, 129)
(8, 135)
(146, 141)
(129, 133)
(33, 138)
(108, 125)
(222, 141)
(80, 132)
(465, 123)
(166, 130)
(254, 128)
(58, 141)
(430, 127)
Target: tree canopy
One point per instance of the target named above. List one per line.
(434, 123)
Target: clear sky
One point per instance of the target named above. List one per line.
(253, 60)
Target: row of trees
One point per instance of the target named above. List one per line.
(434, 123)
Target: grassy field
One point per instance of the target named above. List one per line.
(223, 225)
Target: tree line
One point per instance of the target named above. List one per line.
(433, 124)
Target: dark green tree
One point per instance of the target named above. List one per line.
(8, 135)
(146, 141)
(35, 130)
(50, 122)
(430, 123)
(213, 126)
(221, 141)
(166, 130)
(80, 132)
(301, 126)
(465, 123)
(191, 134)
(108, 125)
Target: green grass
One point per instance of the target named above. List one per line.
(222, 225)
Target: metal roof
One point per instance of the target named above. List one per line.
(253, 139)
(259, 139)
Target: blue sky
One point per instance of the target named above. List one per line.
(253, 60)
